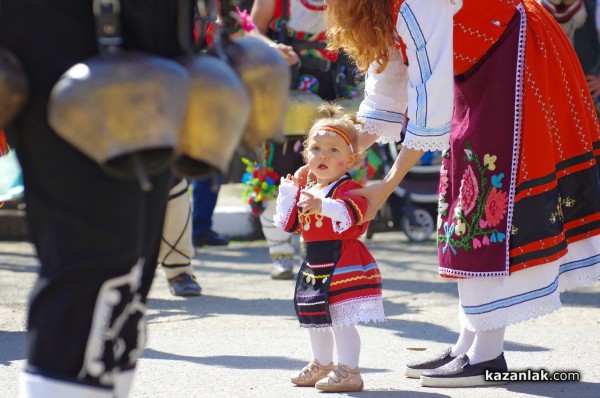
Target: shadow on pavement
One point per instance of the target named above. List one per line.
(429, 332)
(582, 389)
(206, 306)
(395, 394)
(19, 262)
(412, 286)
(240, 361)
(12, 347)
(580, 299)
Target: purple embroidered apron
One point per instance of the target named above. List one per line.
(475, 181)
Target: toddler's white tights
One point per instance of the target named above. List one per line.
(346, 339)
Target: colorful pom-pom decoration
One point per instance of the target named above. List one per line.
(259, 182)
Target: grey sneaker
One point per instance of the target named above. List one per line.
(283, 269)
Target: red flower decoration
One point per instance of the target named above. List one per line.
(495, 207)
(443, 187)
(468, 191)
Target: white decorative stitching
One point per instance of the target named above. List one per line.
(517, 132)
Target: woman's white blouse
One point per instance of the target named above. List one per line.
(423, 89)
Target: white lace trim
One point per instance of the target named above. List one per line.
(534, 308)
(510, 316)
(426, 143)
(470, 274)
(386, 125)
(517, 131)
(578, 278)
(286, 202)
(363, 309)
(341, 225)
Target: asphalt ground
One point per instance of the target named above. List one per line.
(241, 338)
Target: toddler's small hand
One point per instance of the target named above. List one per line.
(310, 204)
(289, 180)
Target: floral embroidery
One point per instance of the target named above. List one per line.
(558, 214)
(448, 230)
(481, 207)
(490, 161)
(468, 191)
(460, 228)
(495, 207)
(443, 188)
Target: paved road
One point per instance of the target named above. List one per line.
(241, 338)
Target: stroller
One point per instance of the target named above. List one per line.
(412, 207)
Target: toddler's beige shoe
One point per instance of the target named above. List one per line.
(341, 379)
(311, 373)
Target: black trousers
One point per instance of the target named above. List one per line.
(97, 237)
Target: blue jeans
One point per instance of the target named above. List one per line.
(204, 200)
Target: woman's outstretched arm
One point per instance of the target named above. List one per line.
(377, 193)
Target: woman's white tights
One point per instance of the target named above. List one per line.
(479, 346)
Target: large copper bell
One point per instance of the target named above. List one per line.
(266, 75)
(218, 106)
(14, 87)
(218, 110)
(301, 113)
(123, 109)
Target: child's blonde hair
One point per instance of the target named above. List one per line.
(332, 115)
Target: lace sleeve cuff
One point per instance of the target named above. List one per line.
(338, 213)
(427, 139)
(286, 204)
(387, 125)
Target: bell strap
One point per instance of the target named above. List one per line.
(108, 26)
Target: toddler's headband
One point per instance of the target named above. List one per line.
(333, 131)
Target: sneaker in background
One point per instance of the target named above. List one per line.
(184, 285)
(283, 269)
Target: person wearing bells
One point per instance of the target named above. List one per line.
(339, 283)
(97, 237)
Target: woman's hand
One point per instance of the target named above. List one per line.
(594, 85)
(287, 52)
(310, 204)
(376, 194)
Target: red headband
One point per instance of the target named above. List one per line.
(337, 131)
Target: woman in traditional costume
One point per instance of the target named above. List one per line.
(497, 86)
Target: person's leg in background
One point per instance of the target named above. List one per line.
(280, 245)
(176, 248)
(97, 246)
(286, 159)
(204, 198)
